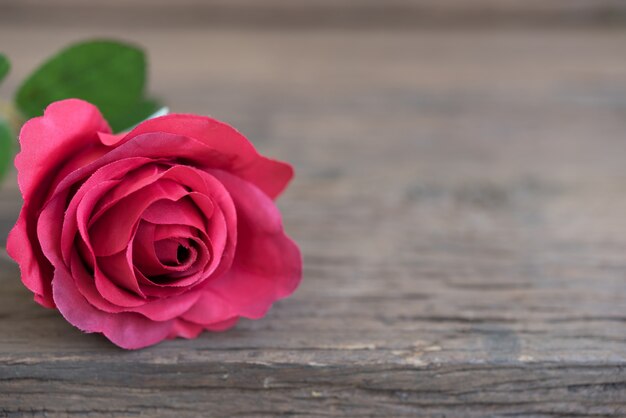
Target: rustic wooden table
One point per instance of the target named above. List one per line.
(460, 201)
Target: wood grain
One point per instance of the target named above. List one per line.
(460, 201)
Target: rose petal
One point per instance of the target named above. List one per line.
(158, 309)
(210, 308)
(88, 196)
(67, 127)
(184, 329)
(127, 330)
(109, 139)
(181, 211)
(145, 257)
(238, 153)
(133, 180)
(119, 269)
(64, 130)
(267, 264)
(112, 231)
(114, 294)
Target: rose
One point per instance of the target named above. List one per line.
(159, 233)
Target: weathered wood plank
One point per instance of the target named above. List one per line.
(315, 13)
(460, 203)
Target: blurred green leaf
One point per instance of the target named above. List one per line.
(5, 66)
(109, 74)
(138, 112)
(7, 146)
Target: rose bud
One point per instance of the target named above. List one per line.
(158, 233)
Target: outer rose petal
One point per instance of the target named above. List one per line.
(66, 129)
(267, 264)
(269, 175)
(127, 330)
(185, 329)
(109, 139)
(210, 308)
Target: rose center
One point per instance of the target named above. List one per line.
(173, 252)
(182, 254)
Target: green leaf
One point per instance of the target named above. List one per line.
(109, 74)
(138, 112)
(5, 66)
(7, 146)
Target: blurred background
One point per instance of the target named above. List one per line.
(417, 127)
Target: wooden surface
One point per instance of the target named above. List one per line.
(387, 14)
(460, 201)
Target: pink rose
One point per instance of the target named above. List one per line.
(159, 233)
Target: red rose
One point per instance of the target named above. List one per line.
(158, 233)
